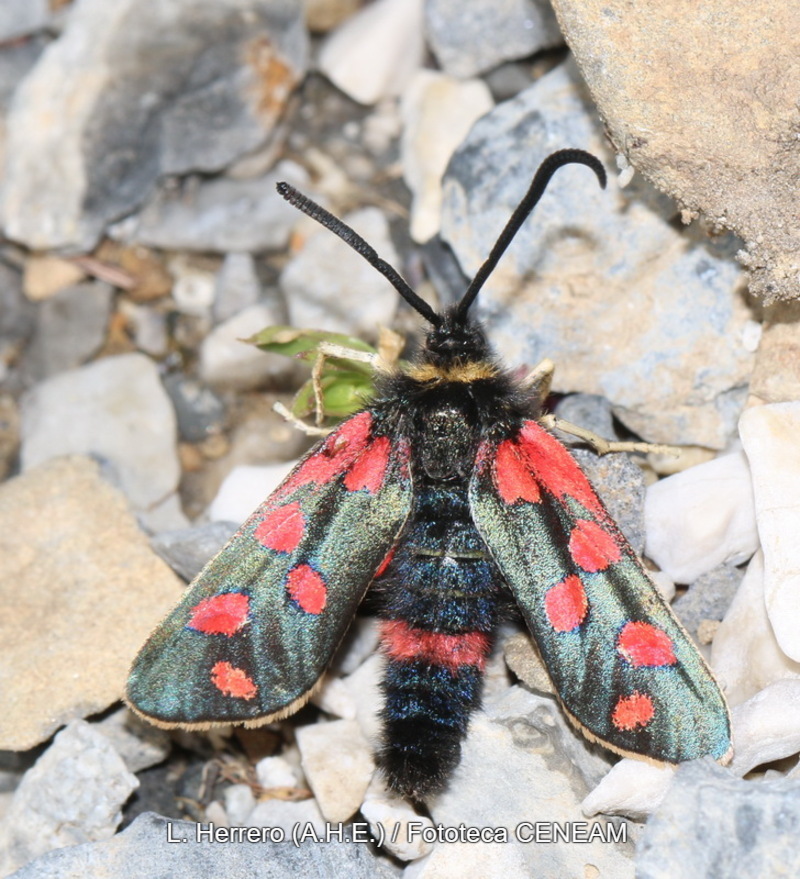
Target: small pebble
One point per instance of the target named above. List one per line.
(376, 52)
(276, 772)
(338, 763)
(389, 818)
(766, 727)
(236, 286)
(632, 787)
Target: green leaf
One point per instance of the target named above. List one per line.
(292, 342)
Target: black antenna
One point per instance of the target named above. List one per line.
(538, 185)
(351, 237)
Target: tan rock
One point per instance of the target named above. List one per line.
(46, 274)
(80, 590)
(704, 105)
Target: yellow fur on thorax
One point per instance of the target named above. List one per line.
(473, 371)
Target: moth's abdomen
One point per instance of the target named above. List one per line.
(439, 607)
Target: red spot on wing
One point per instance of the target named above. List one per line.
(282, 529)
(642, 644)
(370, 467)
(385, 563)
(592, 547)
(221, 614)
(633, 711)
(406, 644)
(555, 468)
(306, 587)
(334, 455)
(566, 604)
(232, 681)
(513, 476)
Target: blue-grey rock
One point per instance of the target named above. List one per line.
(470, 38)
(620, 484)
(187, 550)
(713, 825)
(162, 87)
(21, 17)
(200, 412)
(16, 59)
(159, 848)
(603, 283)
(709, 597)
(588, 411)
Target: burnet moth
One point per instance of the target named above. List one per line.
(448, 499)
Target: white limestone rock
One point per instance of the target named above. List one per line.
(770, 438)
(746, 656)
(438, 111)
(701, 518)
(766, 727)
(632, 788)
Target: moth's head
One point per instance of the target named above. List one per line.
(456, 338)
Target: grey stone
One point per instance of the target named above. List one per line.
(228, 361)
(153, 87)
(140, 744)
(330, 287)
(70, 327)
(144, 849)
(17, 314)
(712, 824)
(709, 597)
(237, 286)
(187, 550)
(626, 305)
(115, 408)
(73, 794)
(218, 215)
(21, 17)
(470, 38)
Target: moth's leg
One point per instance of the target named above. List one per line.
(603, 446)
(539, 379)
(307, 429)
(329, 349)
